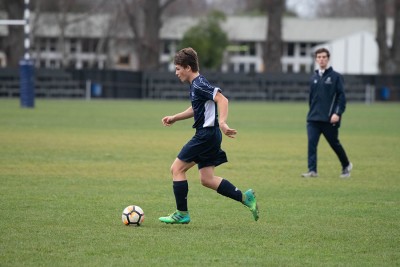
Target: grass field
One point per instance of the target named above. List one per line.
(68, 168)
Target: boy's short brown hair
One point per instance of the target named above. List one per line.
(187, 57)
(322, 50)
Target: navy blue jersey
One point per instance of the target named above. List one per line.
(202, 95)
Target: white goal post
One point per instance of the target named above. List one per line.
(27, 95)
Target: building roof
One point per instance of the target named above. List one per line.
(293, 29)
(324, 29)
(79, 25)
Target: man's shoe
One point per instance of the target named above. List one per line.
(251, 202)
(178, 217)
(310, 174)
(346, 171)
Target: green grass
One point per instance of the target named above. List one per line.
(68, 168)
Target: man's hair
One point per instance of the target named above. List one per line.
(187, 57)
(322, 50)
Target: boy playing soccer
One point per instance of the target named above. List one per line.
(204, 149)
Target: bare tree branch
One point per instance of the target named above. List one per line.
(395, 51)
(166, 4)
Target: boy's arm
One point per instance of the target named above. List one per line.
(169, 120)
(222, 103)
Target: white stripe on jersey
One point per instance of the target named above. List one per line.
(198, 87)
(216, 89)
(209, 110)
(209, 113)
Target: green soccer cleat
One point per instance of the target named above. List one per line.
(178, 217)
(251, 202)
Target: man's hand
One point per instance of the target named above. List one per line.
(227, 131)
(335, 118)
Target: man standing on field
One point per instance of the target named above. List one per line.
(209, 108)
(327, 103)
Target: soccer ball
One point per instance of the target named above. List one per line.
(133, 215)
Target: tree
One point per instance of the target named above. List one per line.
(144, 19)
(193, 8)
(208, 39)
(14, 44)
(273, 45)
(389, 56)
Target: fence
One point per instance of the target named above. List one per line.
(48, 84)
(165, 85)
(260, 87)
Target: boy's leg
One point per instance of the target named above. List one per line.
(181, 189)
(227, 189)
(180, 185)
(222, 186)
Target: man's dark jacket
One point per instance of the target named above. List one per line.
(327, 96)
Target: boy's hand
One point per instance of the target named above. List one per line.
(168, 120)
(227, 131)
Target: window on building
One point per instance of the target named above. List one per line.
(246, 48)
(52, 44)
(252, 49)
(290, 49)
(42, 44)
(252, 67)
(167, 47)
(85, 45)
(289, 68)
(124, 60)
(243, 48)
(95, 45)
(85, 64)
(241, 67)
(104, 47)
(72, 64)
(33, 46)
(233, 49)
(53, 64)
(89, 45)
(165, 66)
(303, 49)
(310, 68)
(231, 67)
(73, 44)
(303, 68)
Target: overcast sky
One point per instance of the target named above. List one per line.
(304, 8)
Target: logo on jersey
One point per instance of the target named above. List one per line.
(328, 80)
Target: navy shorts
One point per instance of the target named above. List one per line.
(204, 148)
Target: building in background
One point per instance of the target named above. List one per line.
(352, 41)
(354, 54)
(98, 42)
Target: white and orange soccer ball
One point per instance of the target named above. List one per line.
(133, 215)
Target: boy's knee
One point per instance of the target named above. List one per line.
(177, 169)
